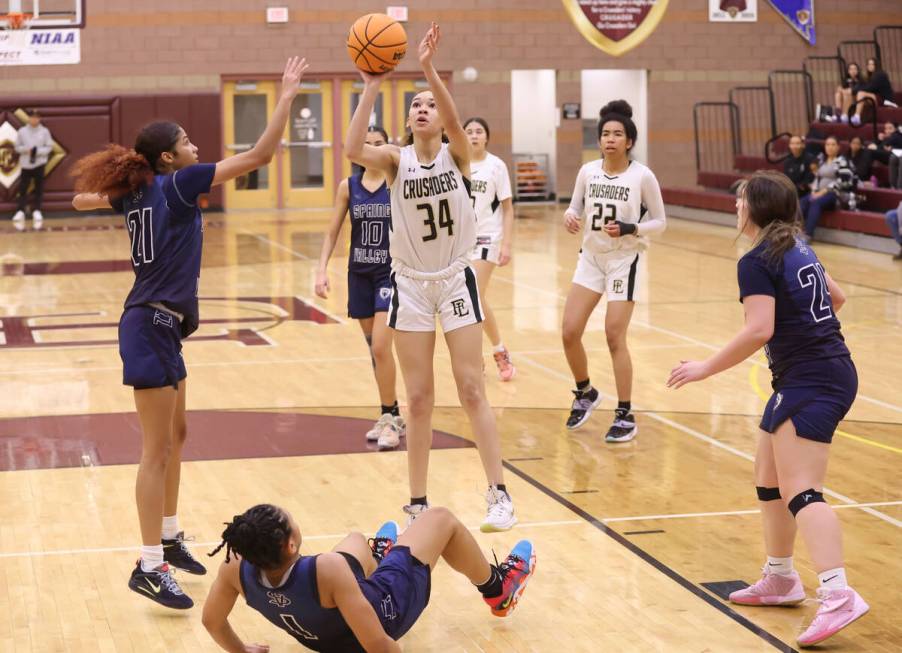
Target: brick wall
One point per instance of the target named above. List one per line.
(132, 46)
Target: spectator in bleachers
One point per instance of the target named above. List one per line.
(823, 194)
(887, 151)
(797, 166)
(847, 91)
(876, 86)
(861, 160)
(892, 219)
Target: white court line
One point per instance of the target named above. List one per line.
(728, 513)
(264, 239)
(194, 545)
(680, 336)
(721, 445)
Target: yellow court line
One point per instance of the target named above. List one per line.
(756, 386)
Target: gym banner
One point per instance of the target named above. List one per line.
(799, 14)
(615, 26)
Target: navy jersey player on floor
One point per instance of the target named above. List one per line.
(359, 596)
(365, 196)
(156, 186)
(790, 307)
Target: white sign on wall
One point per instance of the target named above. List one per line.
(40, 47)
(732, 11)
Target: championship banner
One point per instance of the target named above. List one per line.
(799, 14)
(615, 26)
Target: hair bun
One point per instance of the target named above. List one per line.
(619, 107)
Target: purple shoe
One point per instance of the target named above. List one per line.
(838, 609)
(772, 589)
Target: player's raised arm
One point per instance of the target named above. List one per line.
(384, 158)
(444, 103)
(265, 147)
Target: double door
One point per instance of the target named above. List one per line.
(308, 163)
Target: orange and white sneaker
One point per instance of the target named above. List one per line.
(838, 609)
(516, 570)
(772, 589)
(506, 369)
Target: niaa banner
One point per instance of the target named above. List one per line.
(799, 14)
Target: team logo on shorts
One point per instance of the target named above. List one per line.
(277, 599)
(159, 317)
(779, 400)
(618, 286)
(384, 293)
(388, 608)
(459, 308)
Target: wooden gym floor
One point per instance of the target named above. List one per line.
(280, 392)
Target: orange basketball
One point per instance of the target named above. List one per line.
(376, 43)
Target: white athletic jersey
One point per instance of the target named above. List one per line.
(633, 197)
(490, 185)
(433, 222)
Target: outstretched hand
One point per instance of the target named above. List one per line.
(687, 372)
(429, 45)
(295, 68)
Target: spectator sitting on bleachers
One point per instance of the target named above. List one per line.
(823, 194)
(892, 220)
(847, 91)
(797, 166)
(876, 86)
(887, 150)
(861, 161)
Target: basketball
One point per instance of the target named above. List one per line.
(376, 43)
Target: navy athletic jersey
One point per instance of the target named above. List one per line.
(294, 607)
(370, 224)
(805, 326)
(166, 231)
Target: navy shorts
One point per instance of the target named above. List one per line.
(816, 396)
(368, 293)
(398, 590)
(150, 346)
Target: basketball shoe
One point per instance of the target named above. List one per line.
(772, 589)
(414, 510)
(516, 570)
(392, 431)
(500, 513)
(583, 405)
(623, 429)
(506, 369)
(19, 221)
(384, 540)
(838, 609)
(176, 553)
(159, 585)
(373, 434)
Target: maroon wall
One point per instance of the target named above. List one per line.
(84, 124)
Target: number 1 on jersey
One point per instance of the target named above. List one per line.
(444, 219)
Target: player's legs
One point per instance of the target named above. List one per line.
(616, 323)
(355, 544)
(801, 465)
(156, 410)
(465, 347)
(383, 359)
(174, 465)
(484, 271)
(579, 306)
(415, 353)
(779, 525)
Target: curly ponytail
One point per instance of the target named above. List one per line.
(117, 171)
(258, 536)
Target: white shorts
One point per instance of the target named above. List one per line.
(416, 302)
(487, 250)
(613, 273)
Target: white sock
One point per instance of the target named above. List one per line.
(170, 527)
(499, 348)
(834, 579)
(782, 566)
(151, 557)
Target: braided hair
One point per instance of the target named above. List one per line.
(258, 536)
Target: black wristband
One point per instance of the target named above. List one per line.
(626, 228)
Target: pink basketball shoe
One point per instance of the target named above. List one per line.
(772, 589)
(838, 609)
(506, 369)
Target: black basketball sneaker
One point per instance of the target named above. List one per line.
(176, 553)
(583, 405)
(159, 585)
(623, 429)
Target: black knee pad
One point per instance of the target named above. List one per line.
(803, 499)
(767, 493)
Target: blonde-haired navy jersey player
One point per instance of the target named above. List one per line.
(617, 202)
(433, 233)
